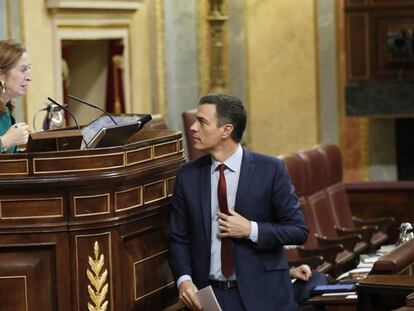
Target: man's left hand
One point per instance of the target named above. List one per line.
(233, 225)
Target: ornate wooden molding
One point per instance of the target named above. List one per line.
(217, 18)
(93, 4)
(99, 288)
(159, 57)
(203, 47)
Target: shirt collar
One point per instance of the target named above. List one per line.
(233, 162)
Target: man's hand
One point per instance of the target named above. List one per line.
(233, 225)
(303, 272)
(187, 292)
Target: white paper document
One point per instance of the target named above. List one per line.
(356, 270)
(385, 249)
(338, 294)
(207, 299)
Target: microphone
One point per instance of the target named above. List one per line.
(72, 115)
(93, 106)
(54, 118)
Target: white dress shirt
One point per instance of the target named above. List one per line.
(232, 174)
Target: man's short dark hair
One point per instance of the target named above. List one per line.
(229, 110)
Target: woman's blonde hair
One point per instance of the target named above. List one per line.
(10, 53)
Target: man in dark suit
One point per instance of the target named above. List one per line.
(233, 210)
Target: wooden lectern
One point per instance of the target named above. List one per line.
(390, 281)
(83, 230)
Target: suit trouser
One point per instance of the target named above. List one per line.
(229, 299)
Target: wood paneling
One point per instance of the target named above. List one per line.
(165, 149)
(16, 285)
(91, 205)
(368, 25)
(31, 208)
(388, 64)
(128, 199)
(155, 191)
(147, 248)
(358, 46)
(27, 275)
(357, 3)
(138, 156)
(383, 199)
(50, 224)
(13, 167)
(78, 163)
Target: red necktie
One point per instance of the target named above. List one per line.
(226, 262)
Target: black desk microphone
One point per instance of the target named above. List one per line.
(72, 115)
(93, 106)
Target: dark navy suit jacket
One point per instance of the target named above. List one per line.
(265, 195)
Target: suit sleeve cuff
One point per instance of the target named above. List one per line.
(183, 278)
(253, 232)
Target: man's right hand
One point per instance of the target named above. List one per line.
(188, 297)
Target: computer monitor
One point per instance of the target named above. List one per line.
(102, 132)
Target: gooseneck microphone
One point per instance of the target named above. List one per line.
(72, 115)
(93, 106)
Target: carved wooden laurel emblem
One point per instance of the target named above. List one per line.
(98, 288)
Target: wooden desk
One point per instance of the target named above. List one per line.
(334, 303)
(90, 227)
(384, 292)
(398, 261)
(383, 199)
(375, 293)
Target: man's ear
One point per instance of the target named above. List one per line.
(227, 130)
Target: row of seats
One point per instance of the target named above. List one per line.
(334, 233)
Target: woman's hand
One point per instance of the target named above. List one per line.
(18, 134)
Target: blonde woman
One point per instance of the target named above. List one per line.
(14, 78)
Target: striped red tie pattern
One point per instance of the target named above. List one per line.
(226, 261)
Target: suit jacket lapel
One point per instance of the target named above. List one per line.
(205, 196)
(246, 174)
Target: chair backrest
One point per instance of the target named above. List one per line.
(298, 172)
(334, 162)
(189, 118)
(319, 203)
(336, 188)
(317, 168)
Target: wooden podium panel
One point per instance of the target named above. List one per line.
(389, 282)
(89, 228)
(54, 141)
(384, 292)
